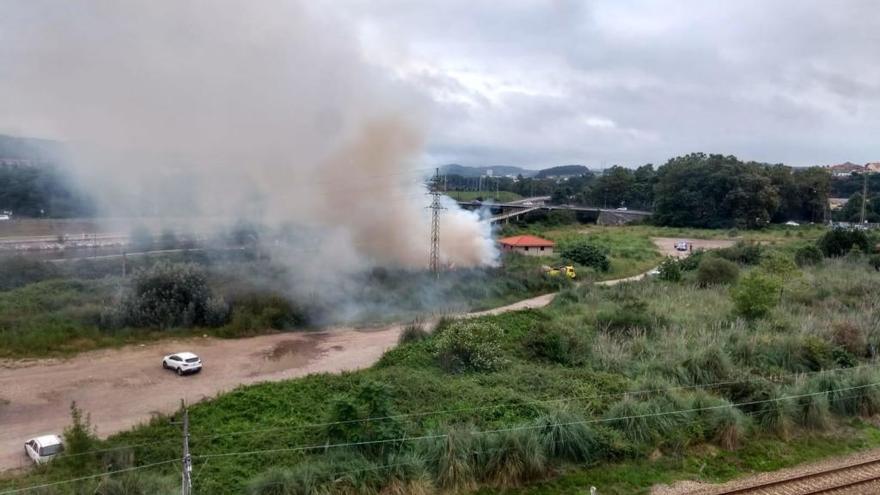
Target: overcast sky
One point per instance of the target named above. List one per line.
(536, 82)
(542, 82)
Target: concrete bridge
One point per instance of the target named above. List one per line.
(504, 212)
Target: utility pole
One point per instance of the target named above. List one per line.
(864, 194)
(435, 225)
(186, 480)
(124, 267)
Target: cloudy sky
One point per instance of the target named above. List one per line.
(541, 82)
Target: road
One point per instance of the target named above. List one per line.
(123, 387)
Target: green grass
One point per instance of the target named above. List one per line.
(501, 197)
(690, 336)
(707, 464)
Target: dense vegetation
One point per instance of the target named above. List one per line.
(603, 375)
(48, 308)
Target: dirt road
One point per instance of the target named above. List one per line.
(123, 387)
(666, 245)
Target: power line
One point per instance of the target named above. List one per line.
(207, 457)
(437, 412)
(91, 477)
(303, 448)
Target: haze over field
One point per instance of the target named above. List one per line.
(256, 110)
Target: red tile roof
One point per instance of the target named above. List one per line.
(526, 241)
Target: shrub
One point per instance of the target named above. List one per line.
(565, 436)
(17, 271)
(851, 338)
(755, 295)
(302, 479)
(456, 466)
(746, 253)
(469, 346)
(812, 411)
(711, 365)
(347, 421)
(838, 242)
(555, 343)
(413, 332)
(691, 262)
(670, 270)
(79, 438)
(629, 318)
(644, 422)
(137, 484)
(171, 295)
(515, 457)
(716, 271)
(808, 255)
(778, 264)
(874, 261)
(586, 254)
(776, 413)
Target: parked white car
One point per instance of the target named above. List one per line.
(42, 449)
(182, 363)
(681, 246)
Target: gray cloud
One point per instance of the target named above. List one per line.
(539, 82)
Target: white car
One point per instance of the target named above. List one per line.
(182, 362)
(681, 246)
(42, 449)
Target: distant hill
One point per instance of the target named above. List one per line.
(562, 171)
(497, 170)
(28, 150)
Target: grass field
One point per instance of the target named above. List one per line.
(576, 363)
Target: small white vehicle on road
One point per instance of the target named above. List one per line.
(43, 448)
(182, 363)
(681, 246)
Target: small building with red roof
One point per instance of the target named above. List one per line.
(527, 244)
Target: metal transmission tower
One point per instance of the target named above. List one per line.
(864, 195)
(435, 224)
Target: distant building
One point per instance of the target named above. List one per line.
(845, 169)
(873, 168)
(528, 245)
(837, 203)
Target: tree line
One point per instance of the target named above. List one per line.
(695, 190)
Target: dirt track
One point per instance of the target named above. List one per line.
(124, 387)
(666, 245)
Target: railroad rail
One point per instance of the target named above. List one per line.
(861, 477)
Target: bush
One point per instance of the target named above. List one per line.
(874, 261)
(515, 457)
(556, 343)
(586, 254)
(565, 436)
(79, 438)
(469, 346)
(347, 421)
(629, 318)
(755, 295)
(138, 484)
(716, 271)
(851, 338)
(778, 264)
(413, 332)
(171, 295)
(808, 255)
(670, 270)
(455, 456)
(838, 242)
(18, 271)
(746, 253)
(691, 262)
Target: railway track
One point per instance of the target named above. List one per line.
(861, 477)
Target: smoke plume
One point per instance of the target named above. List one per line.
(216, 110)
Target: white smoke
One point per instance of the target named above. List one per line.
(222, 109)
